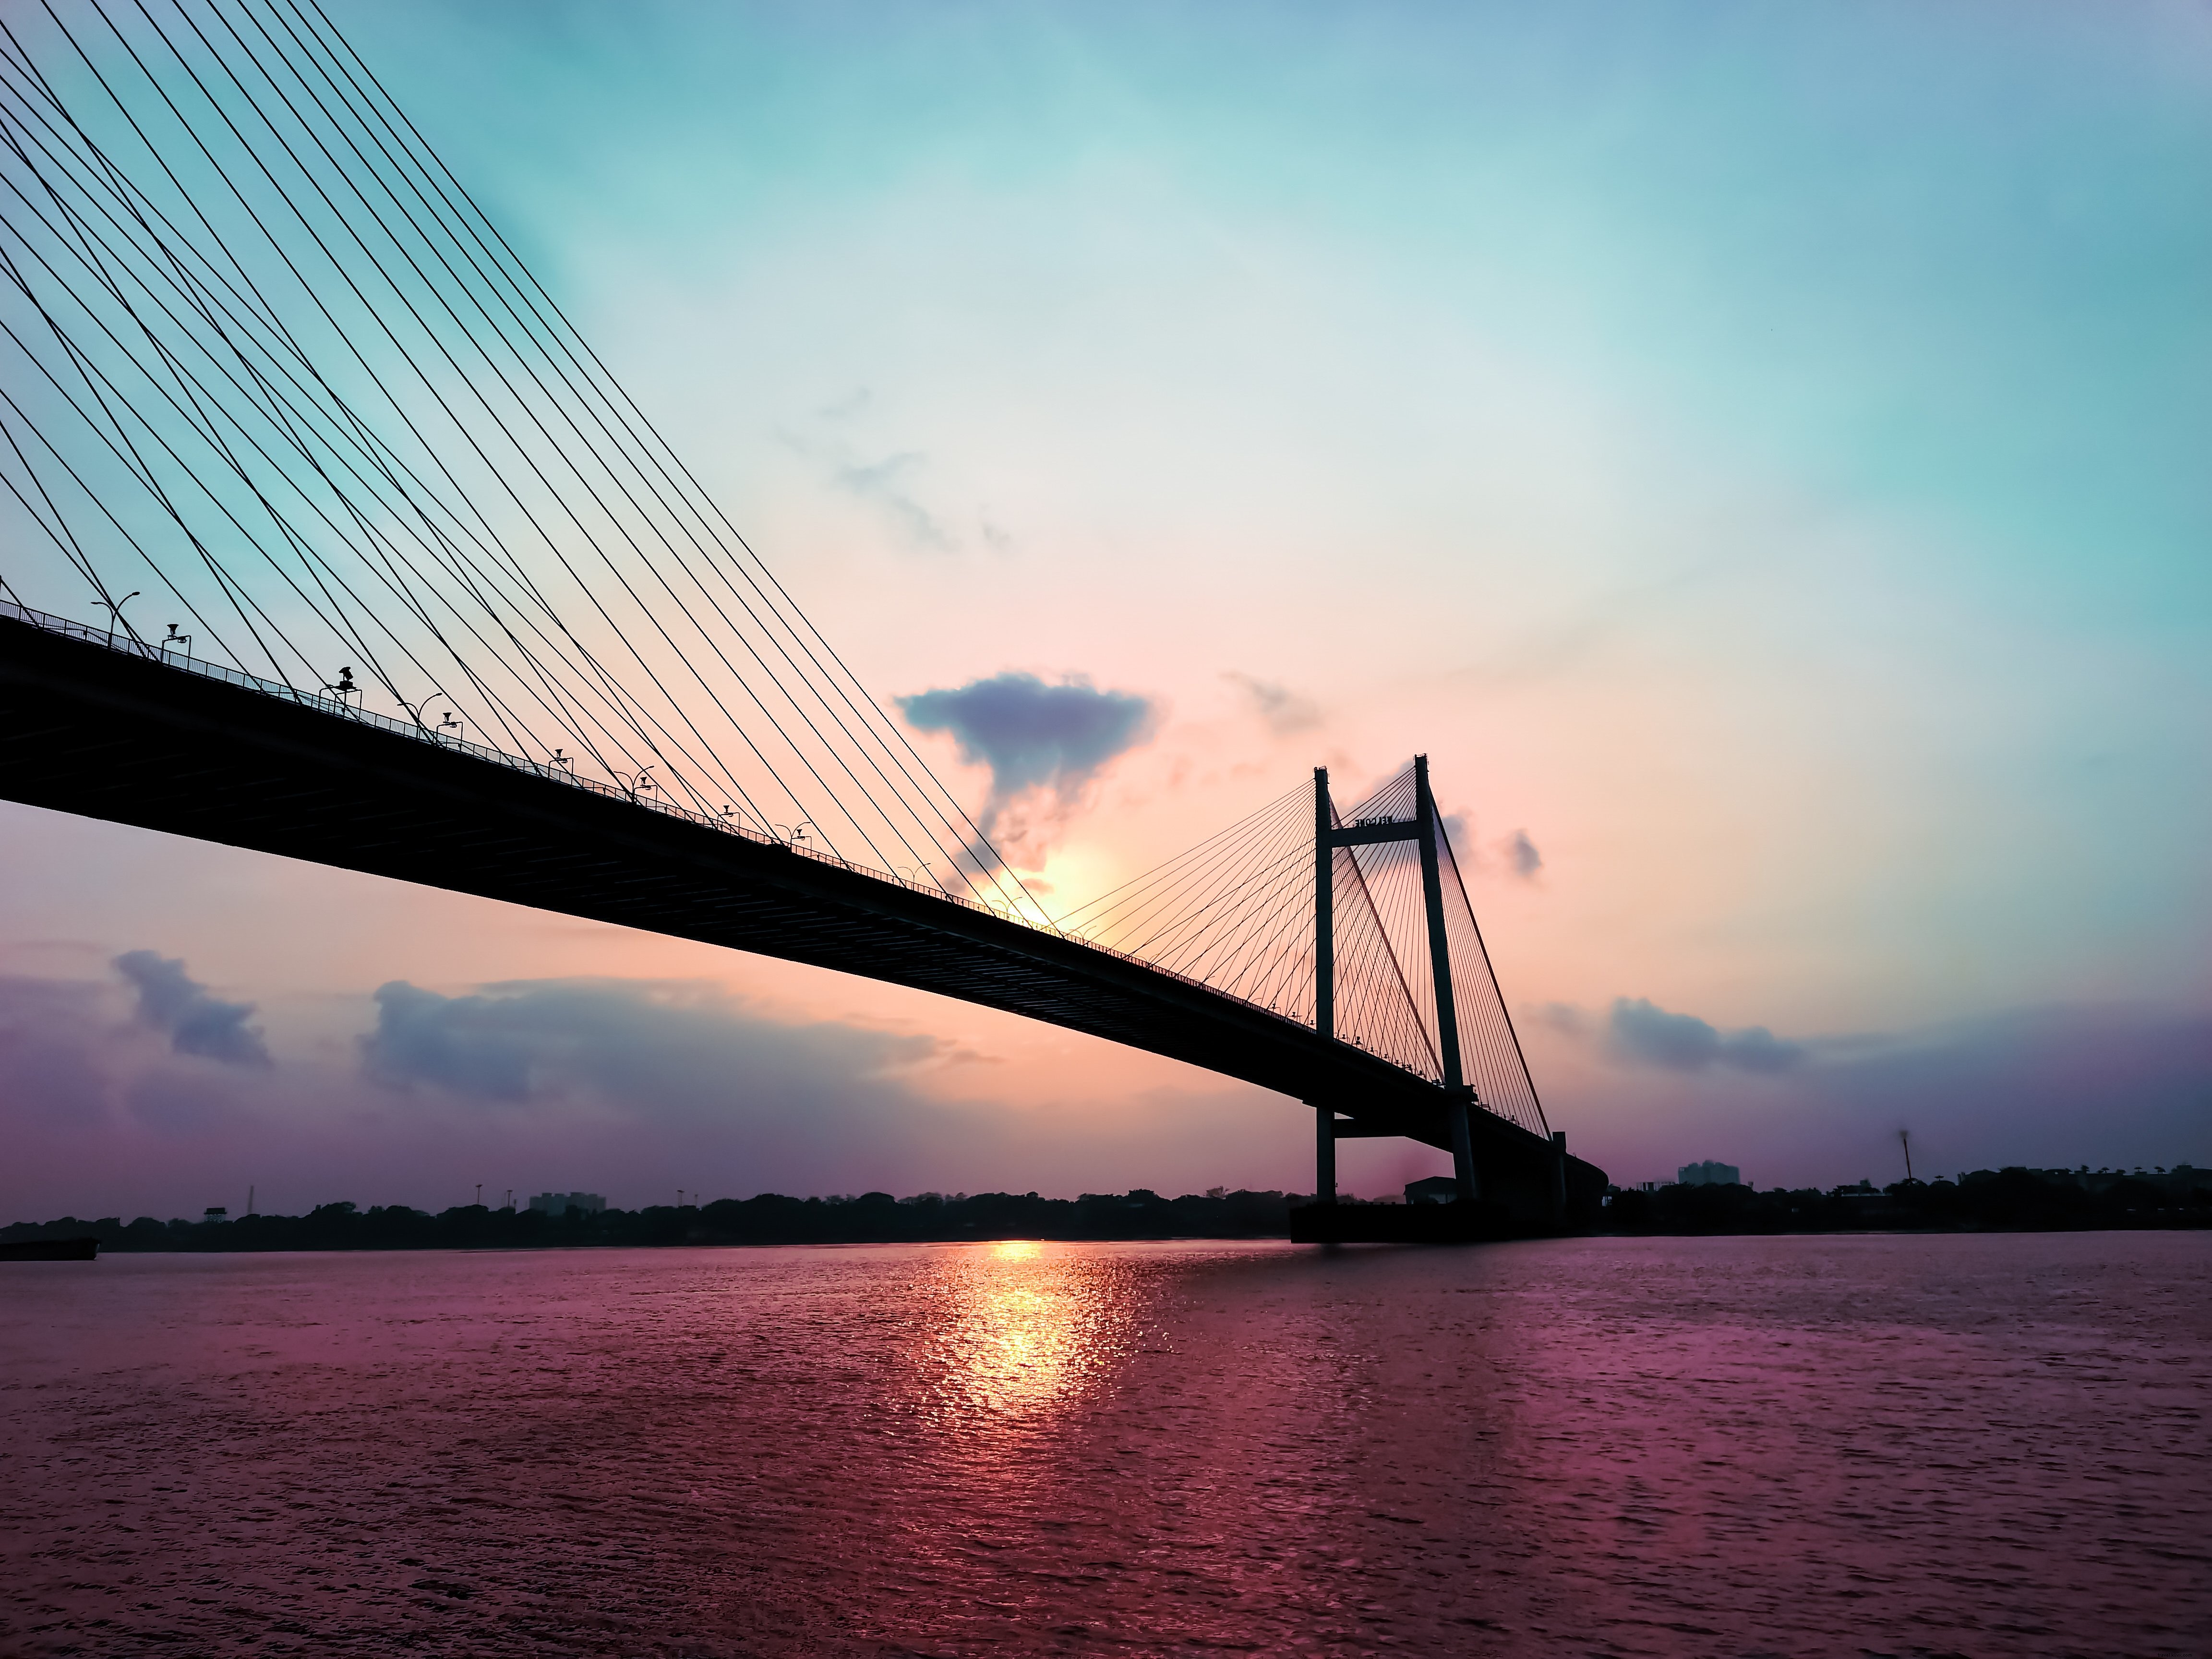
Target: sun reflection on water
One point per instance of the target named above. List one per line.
(1024, 1327)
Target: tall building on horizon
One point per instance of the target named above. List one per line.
(562, 1203)
(1709, 1174)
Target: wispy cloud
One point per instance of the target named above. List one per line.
(885, 484)
(1521, 857)
(885, 480)
(1285, 713)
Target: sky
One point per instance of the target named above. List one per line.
(1756, 452)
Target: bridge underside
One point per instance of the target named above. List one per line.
(105, 734)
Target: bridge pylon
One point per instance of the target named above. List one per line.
(1423, 829)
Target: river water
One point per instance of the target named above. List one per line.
(1969, 1445)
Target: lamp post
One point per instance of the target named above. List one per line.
(115, 614)
(415, 711)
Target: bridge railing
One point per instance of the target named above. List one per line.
(131, 643)
(126, 640)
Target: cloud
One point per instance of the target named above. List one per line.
(1642, 1032)
(2055, 1086)
(170, 1001)
(2058, 1084)
(52, 1046)
(883, 484)
(1052, 740)
(673, 1050)
(633, 1088)
(1285, 712)
(1521, 857)
(1515, 852)
(628, 1087)
(1562, 1016)
(886, 483)
(93, 1102)
(469, 1045)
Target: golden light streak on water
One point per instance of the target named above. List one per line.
(1024, 1328)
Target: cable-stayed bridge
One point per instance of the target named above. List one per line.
(438, 602)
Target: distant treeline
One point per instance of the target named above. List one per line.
(1989, 1200)
(770, 1218)
(1994, 1201)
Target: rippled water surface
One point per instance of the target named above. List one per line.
(1714, 1447)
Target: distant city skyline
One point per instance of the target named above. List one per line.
(1757, 454)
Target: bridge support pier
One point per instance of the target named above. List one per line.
(1462, 1139)
(1324, 1154)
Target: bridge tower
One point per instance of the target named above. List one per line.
(1422, 830)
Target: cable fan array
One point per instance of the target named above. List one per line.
(1237, 913)
(265, 363)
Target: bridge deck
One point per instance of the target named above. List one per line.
(112, 734)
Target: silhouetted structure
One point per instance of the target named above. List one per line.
(1710, 1173)
(768, 1218)
(562, 1203)
(2013, 1199)
(449, 609)
(83, 724)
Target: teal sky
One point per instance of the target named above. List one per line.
(1758, 452)
(1844, 369)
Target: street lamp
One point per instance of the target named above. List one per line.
(115, 614)
(415, 710)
